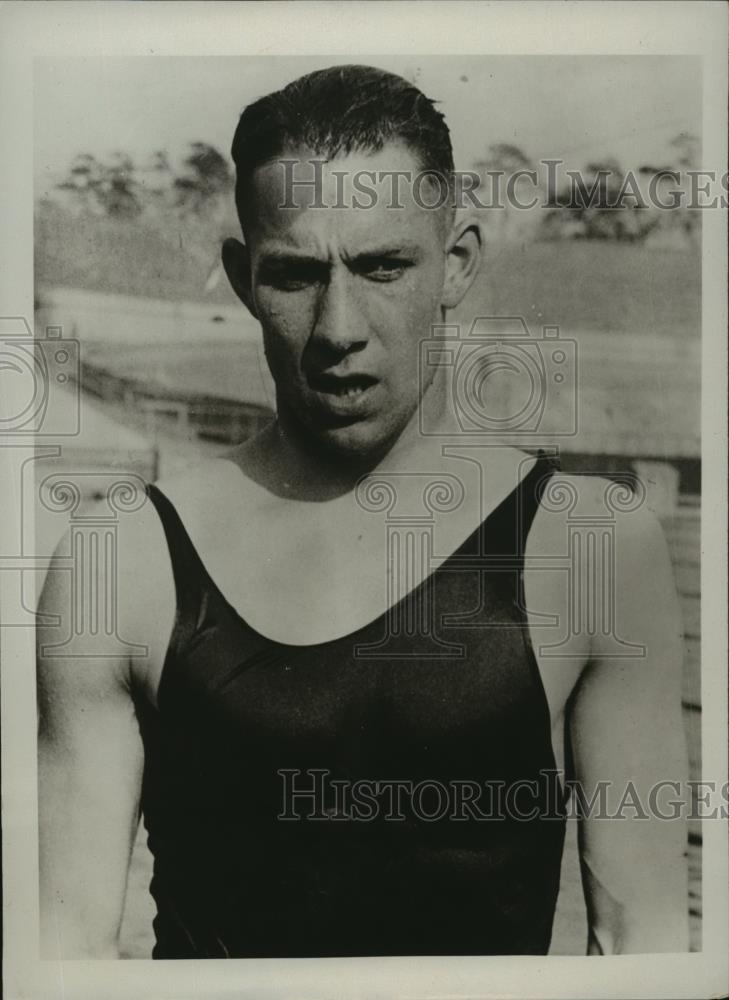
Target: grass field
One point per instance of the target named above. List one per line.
(595, 285)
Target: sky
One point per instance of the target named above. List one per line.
(579, 108)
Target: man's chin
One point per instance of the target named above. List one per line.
(360, 444)
(356, 441)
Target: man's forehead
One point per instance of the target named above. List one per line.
(305, 164)
(374, 197)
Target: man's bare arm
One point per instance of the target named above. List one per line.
(626, 729)
(90, 767)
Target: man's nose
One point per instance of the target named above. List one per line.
(340, 327)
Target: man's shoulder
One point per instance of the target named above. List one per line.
(146, 550)
(593, 495)
(209, 495)
(140, 540)
(198, 482)
(587, 502)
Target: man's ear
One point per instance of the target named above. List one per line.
(237, 264)
(463, 260)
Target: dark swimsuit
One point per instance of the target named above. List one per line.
(241, 720)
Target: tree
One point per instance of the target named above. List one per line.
(687, 148)
(506, 157)
(601, 202)
(110, 188)
(501, 190)
(119, 189)
(83, 180)
(207, 178)
(157, 178)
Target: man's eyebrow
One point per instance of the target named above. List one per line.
(278, 256)
(275, 258)
(290, 257)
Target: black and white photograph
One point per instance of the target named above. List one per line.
(364, 420)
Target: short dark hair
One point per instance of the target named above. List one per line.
(341, 110)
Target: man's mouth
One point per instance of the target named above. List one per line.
(342, 386)
(345, 398)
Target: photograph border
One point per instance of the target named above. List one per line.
(35, 30)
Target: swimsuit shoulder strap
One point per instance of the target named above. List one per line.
(506, 529)
(191, 579)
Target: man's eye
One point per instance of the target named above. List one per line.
(385, 270)
(288, 284)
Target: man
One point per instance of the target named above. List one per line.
(311, 667)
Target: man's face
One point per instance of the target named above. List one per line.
(345, 295)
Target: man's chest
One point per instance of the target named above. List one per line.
(446, 673)
(308, 573)
(432, 577)
(303, 577)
